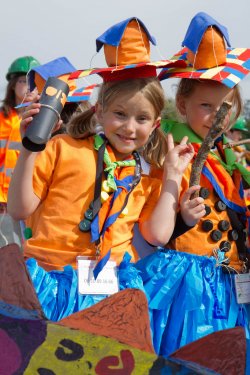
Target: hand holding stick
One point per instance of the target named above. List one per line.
(215, 130)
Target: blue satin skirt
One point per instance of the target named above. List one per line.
(189, 296)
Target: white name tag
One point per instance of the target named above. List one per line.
(106, 283)
(242, 286)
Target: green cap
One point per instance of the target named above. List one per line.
(240, 125)
(21, 66)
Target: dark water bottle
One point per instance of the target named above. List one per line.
(53, 99)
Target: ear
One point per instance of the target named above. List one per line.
(99, 112)
(157, 124)
(181, 105)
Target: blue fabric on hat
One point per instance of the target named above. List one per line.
(114, 34)
(54, 68)
(199, 24)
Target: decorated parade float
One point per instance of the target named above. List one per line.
(111, 337)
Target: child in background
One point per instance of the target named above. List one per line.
(58, 190)
(10, 140)
(193, 293)
(236, 134)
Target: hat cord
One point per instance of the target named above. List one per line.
(141, 34)
(214, 52)
(28, 88)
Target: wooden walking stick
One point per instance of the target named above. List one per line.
(215, 130)
(236, 143)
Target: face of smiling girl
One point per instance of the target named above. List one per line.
(201, 105)
(127, 122)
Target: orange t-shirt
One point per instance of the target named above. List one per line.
(197, 240)
(10, 143)
(64, 180)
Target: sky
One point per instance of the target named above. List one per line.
(48, 29)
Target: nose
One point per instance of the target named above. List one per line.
(130, 125)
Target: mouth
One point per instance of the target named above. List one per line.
(125, 139)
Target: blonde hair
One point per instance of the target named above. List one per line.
(84, 125)
(187, 86)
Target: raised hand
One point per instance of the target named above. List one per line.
(30, 111)
(178, 157)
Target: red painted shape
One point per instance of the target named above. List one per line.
(103, 367)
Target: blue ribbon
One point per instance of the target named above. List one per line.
(101, 264)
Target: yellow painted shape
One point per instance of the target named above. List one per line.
(94, 349)
(51, 91)
(63, 99)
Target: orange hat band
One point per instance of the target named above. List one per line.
(129, 73)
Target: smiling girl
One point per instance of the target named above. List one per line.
(55, 190)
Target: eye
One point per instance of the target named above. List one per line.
(206, 105)
(22, 81)
(119, 114)
(142, 119)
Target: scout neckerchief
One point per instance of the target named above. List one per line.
(230, 194)
(122, 177)
(179, 130)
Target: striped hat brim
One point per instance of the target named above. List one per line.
(75, 96)
(236, 68)
(127, 71)
(81, 94)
